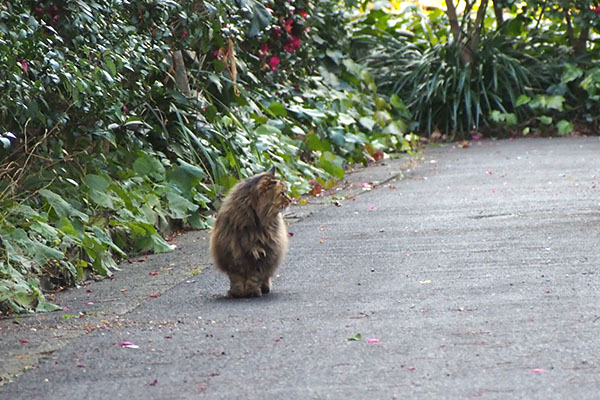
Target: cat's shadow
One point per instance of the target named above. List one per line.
(267, 298)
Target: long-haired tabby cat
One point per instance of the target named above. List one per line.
(249, 237)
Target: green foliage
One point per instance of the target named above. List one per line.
(108, 141)
(470, 78)
(428, 71)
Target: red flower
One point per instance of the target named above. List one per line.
(292, 45)
(53, 11)
(184, 34)
(277, 32)
(288, 25)
(302, 13)
(264, 49)
(273, 62)
(597, 9)
(24, 65)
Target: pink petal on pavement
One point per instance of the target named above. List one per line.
(24, 341)
(537, 370)
(373, 340)
(153, 273)
(129, 345)
(154, 295)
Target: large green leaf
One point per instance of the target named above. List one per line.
(61, 207)
(260, 17)
(179, 206)
(147, 166)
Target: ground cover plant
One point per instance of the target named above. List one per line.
(123, 120)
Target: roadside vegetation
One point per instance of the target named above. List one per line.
(123, 121)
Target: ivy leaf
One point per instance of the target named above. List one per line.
(277, 109)
(268, 130)
(345, 119)
(179, 206)
(154, 243)
(61, 207)
(564, 127)
(148, 166)
(555, 102)
(332, 164)
(367, 122)
(185, 176)
(570, 73)
(522, 99)
(314, 143)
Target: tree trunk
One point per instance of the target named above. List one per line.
(181, 73)
(468, 49)
(498, 13)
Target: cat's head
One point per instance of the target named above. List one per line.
(272, 193)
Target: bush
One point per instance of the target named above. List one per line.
(121, 121)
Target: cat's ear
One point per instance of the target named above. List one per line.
(266, 183)
(271, 172)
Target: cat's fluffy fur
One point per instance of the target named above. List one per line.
(249, 238)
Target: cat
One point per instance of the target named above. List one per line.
(249, 238)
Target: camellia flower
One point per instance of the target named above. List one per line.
(264, 49)
(292, 45)
(273, 63)
(288, 25)
(597, 9)
(24, 65)
(302, 13)
(277, 32)
(184, 34)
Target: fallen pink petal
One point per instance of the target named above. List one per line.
(537, 370)
(129, 345)
(153, 273)
(88, 303)
(371, 207)
(153, 383)
(154, 295)
(373, 340)
(24, 341)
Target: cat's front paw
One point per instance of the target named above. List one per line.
(266, 286)
(258, 253)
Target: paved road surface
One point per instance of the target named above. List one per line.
(474, 274)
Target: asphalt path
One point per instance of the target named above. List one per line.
(470, 273)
